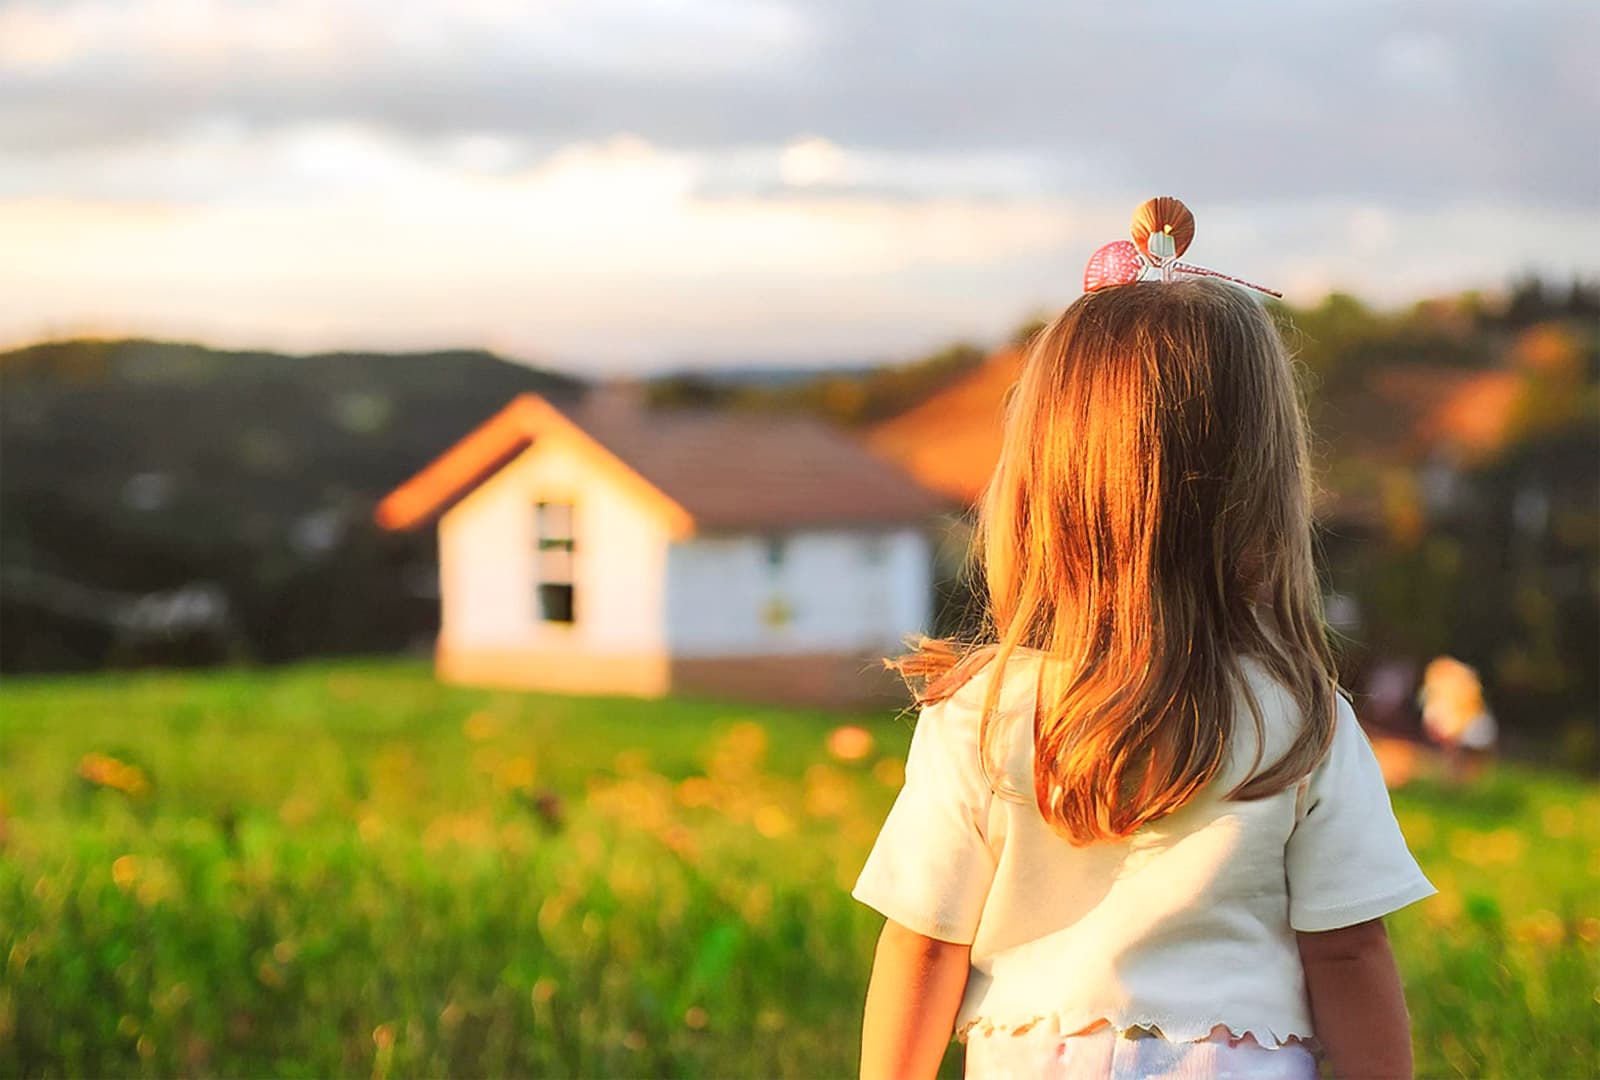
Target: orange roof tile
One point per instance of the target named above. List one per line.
(1472, 411)
(709, 471)
(488, 449)
(951, 440)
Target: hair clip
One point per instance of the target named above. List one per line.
(1162, 230)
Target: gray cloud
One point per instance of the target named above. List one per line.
(1398, 104)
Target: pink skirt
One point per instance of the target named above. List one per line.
(1107, 1054)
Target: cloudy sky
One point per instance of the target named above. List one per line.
(622, 184)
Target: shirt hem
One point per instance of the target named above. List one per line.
(1271, 1036)
(929, 928)
(1316, 920)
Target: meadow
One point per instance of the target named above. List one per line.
(350, 870)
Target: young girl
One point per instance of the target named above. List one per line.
(1141, 834)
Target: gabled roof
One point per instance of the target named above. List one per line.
(706, 471)
(951, 440)
(1472, 412)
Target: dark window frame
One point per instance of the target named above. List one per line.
(555, 600)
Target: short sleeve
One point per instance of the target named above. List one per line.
(931, 867)
(1346, 860)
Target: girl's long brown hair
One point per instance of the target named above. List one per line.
(1147, 527)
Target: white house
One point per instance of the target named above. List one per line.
(612, 549)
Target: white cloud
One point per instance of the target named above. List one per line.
(643, 180)
(811, 160)
(340, 235)
(610, 253)
(1370, 229)
(482, 151)
(1423, 60)
(44, 37)
(214, 37)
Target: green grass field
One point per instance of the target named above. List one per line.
(351, 870)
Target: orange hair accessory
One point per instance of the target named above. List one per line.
(1162, 230)
(1161, 217)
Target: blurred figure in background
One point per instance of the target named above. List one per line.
(1455, 716)
(1389, 715)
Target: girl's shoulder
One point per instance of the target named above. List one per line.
(1007, 758)
(1282, 722)
(1001, 751)
(1020, 680)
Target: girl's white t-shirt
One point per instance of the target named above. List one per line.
(1187, 924)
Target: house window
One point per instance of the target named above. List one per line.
(553, 561)
(777, 612)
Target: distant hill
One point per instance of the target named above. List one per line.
(849, 396)
(768, 376)
(137, 469)
(171, 504)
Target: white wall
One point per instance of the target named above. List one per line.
(486, 561)
(845, 590)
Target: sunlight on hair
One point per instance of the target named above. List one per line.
(1147, 527)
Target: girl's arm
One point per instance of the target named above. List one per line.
(912, 1000)
(1357, 1005)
